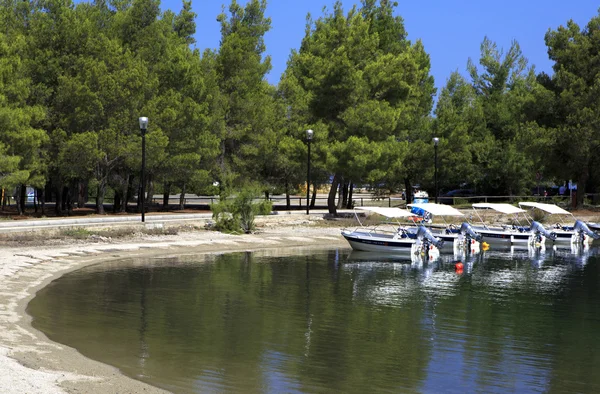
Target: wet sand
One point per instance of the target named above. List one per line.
(31, 363)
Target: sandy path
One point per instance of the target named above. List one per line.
(30, 363)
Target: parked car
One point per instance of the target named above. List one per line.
(449, 197)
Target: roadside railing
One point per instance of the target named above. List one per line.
(360, 200)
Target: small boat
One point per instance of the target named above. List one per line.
(510, 226)
(578, 232)
(391, 237)
(454, 236)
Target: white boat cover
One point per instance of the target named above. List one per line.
(502, 208)
(437, 209)
(550, 208)
(387, 212)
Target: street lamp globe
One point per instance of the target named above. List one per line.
(143, 124)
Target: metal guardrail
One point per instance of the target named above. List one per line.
(299, 202)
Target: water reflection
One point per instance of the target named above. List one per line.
(517, 320)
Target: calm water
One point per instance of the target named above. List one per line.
(314, 321)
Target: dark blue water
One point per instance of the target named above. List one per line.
(316, 321)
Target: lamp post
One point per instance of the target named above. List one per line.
(436, 140)
(309, 135)
(143, 128)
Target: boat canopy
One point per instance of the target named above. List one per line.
(499, 207)
(550, 208)
(437, 209)
(387, 212)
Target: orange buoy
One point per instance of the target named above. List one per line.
(458, 267)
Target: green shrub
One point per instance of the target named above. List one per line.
(237, 213)
(77, 233)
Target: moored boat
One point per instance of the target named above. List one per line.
(510, 226)
(391, 237)
(454, 235)
(567, 229)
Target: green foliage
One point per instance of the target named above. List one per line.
(363, 86)
(238, 213)
(74, 78)
(576, 88)
(77, 233)
(246, 105)
(486, 136)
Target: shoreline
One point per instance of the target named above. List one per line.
(31, 363)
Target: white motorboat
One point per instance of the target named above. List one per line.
(392, 237)
(510, 226)
(575, 231)
(454, 236)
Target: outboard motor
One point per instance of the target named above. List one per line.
(581, 227)
(538, 228)
(470, 232)
(425, 234)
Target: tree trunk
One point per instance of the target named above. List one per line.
(350, 205)
(182, 198)
(23, 197)
(340, 202)
(81, 193)
(166, 194)
(68, 195)
(58, 208)
(288, 202)
(124, 189)
(117, 202)
(101, 192)
(331, 197)
(18, 193)
(408, 192)
(40, 193)
(35, 201)
(129, 193)
(149, 191)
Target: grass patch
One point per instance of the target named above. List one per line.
(85, 234)
(77, 233)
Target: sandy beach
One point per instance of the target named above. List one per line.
(31, 363)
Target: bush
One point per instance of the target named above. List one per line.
(77, 233)
(237, 214)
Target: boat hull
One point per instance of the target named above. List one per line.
(570, 237)
(368, 242)
(454, 241)
(507, 238)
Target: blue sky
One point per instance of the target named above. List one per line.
(451, 30)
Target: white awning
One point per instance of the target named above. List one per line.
(388, 212)
(502, 208)
(550, 208)
(437, 209)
